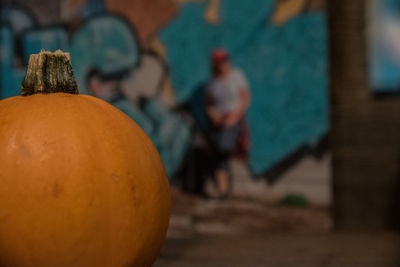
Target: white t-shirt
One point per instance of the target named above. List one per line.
(226, 92)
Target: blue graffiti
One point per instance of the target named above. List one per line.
(10, 78)
(286, 66)
(14, 22)
(18, 19)
(49, 39)
(108, 45)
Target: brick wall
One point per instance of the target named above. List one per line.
(365, 133)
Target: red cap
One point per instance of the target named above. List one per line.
(219, 55)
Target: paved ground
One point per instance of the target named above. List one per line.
(251, 229)
(255, 232)
(242, 215)
(284, 250)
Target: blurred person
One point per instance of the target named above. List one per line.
(227, 100)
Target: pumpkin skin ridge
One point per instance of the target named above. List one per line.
(150, 192)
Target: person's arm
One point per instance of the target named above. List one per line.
(244, 102)
(211, 111)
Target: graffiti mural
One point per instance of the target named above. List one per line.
(284, 58)
(152, 67)
(109, 63)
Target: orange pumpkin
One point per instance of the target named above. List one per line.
(81, 183)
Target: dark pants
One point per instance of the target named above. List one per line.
(224, 141)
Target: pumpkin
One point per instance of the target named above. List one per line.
(81, 183)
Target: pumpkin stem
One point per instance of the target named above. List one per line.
(49, 73)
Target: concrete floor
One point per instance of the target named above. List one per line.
(255, 232)
(251, 229)
(284, 250)
(193, 216)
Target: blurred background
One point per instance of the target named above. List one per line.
(311, 177)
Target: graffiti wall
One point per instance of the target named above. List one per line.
(151, 59)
